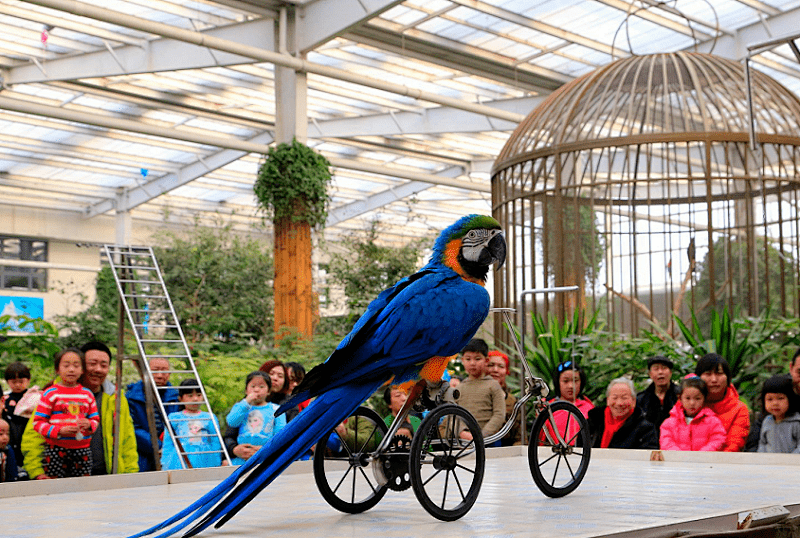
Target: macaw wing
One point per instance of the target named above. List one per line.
(431, 313)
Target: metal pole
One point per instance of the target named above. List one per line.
(118, 384)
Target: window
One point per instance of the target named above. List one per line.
(22, 278)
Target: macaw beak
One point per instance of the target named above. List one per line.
(497, 249)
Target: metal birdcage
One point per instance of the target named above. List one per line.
(637, 183)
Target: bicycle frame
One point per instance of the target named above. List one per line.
(533, 386)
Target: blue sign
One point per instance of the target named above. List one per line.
(32, 307)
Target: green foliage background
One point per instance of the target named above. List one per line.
(366, 268)
(220, 284)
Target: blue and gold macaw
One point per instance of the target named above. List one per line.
(409, 331)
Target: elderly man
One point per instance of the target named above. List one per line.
(658, 399)
(619, 423)
(98, 361)
(160, 368)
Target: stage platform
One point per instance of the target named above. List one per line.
(623, 492)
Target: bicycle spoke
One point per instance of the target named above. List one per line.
(366, 478)
(444, 491)
(555, 472)
(344, 476)
(569, 467)
(458, 483)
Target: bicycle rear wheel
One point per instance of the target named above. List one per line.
(447, 471)
(341, 463)
(559, 450)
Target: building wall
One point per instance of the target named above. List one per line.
(72, 241)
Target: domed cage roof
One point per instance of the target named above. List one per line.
(637, 183)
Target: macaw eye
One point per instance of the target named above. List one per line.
(472, 234)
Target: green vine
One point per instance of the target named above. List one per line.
(292, 182)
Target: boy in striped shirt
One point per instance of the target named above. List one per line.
(67, 417)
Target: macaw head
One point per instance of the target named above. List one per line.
(470, 246)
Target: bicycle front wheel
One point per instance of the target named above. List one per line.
(559, 450)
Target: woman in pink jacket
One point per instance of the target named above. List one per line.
(691, 425)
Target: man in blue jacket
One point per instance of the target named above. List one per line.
(138, 406)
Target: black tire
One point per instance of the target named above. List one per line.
(559, 467)
(446, 471)
(342, 474)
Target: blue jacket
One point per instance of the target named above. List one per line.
(199, 440)
(8, 469)
(138, 407)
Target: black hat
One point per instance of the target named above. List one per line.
(660, 359)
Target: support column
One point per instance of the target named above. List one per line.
(294, 298)
(124, 228)
(291, 87)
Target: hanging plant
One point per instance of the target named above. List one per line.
(293, 182)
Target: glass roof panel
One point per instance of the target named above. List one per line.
(485, 52)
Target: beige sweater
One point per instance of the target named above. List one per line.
(485, 399)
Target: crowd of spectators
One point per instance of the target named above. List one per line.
(67, 427)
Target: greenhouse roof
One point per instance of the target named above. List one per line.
(164, 108)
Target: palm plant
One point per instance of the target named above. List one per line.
(558, 342)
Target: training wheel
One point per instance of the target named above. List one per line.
(447, 471)
(341, 463)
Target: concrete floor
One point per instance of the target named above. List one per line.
(623, 491)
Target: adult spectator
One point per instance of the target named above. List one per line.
(755, 427)
(498, 367)
(279, 376)
(296, 373)
(135, 393)
(660, 396)
(794, 371)
(724, 400)
(619, 423)
(98, 361)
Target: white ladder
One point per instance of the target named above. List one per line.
(158, 335)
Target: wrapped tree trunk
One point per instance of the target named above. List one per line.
(292, 189)
(294, 296)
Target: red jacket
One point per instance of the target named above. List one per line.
(705, 431)
(735, 418)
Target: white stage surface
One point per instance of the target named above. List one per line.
(623, 492)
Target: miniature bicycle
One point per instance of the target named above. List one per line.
(445, 469)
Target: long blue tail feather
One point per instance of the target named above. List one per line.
(233, 493)
(328, 411)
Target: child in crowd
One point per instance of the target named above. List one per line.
(479, 393)
(780, 431)
(18, 377)
(194, 430)
(395, 397)
(296, 373)
(255, 416)
(8, 464)
(691, 425)
(67, 417)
